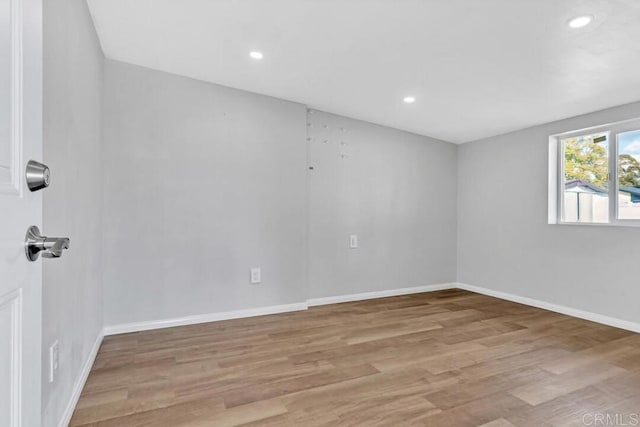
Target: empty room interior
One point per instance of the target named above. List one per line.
(224, 213)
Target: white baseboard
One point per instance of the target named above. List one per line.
(569, 311)
(79, 385)
(261, 311)
(379, 294)
(202, 318)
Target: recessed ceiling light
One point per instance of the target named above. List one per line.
(409, 99)
(256, 55)
(580, 21)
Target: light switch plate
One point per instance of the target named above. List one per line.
(353, 241)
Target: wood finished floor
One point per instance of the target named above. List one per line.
(449, 358)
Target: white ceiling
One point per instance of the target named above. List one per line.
(477, 68)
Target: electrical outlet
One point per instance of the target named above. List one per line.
(353, 241)
(54, 360)
(256, 275)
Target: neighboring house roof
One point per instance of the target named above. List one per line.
(634, 191)
(583, 186)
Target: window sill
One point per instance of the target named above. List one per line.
(632, 224)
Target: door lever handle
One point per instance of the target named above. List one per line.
(51, 247)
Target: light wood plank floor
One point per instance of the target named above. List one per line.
(449, 358)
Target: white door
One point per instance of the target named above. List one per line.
(20, 280)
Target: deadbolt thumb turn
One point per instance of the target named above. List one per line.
(38, 175)
(51, 247)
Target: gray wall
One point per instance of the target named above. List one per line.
(202, 183)
(505, 243)
(396, 191)
(72, 293)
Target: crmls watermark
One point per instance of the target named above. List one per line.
(607, 419)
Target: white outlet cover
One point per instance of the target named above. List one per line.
(54, 360)
(353, 241)
(256, 275)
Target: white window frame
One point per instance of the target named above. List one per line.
(556, 173)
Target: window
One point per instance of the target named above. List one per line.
(595, 176)
(585, 167)
(628, 204)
